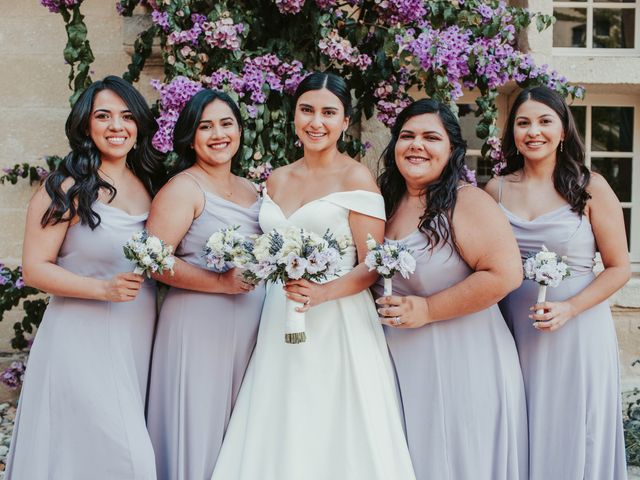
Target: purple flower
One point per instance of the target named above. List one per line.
(289, 6)
(13, 375)
(468, 175)
(19, 283)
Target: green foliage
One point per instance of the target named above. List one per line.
(12, 291)
(77, 52)
(632, 429)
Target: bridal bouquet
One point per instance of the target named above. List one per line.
(388, 259)
(291, 254)
(149, 254)
(225, 249)
(546, 269)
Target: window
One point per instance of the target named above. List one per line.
(608, 126)
(596, 25)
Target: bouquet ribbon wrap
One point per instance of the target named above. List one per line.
(388, 287)
(542, 296)
(294, 323)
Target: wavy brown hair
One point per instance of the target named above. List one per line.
(570, 175)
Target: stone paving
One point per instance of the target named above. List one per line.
(8, 414)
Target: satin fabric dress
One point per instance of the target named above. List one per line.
(81, 410)
(325, 409)
(459, 379)
(571, 375)
(202, 349)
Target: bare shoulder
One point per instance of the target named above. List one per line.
(493, 188)
(280, 176)
(598, 186)
(357, 176)
(180, 188)
(475, 202)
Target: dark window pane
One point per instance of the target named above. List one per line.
(626, 212)
(482, 168)
(570, 29)
(613, 28)
(580, 117)
(611, 129)
(617, 171)
(468, 122)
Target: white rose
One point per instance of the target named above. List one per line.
(371, 242)
(146, 260)
(154, 244)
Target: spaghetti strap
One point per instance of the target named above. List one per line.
(204, 193)
(464, 185)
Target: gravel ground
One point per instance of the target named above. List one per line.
(8, 414)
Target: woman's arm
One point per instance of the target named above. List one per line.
(359, 278)
(39, 268)
(173, 210)
(607, 223)
(487, 245)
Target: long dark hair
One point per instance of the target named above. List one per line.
(332, 82)
(570, 175)
(187, 126)
(83, 162)
(441, 195)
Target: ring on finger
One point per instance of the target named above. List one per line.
(397, 321)
(307, 301)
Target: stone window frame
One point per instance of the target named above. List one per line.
(620, 100)
(590, 5)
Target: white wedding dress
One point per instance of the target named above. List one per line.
(326, 409)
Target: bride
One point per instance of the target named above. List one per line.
(326, 408)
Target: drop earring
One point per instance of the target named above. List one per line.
(562, 145)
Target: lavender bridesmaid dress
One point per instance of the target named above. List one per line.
(202, 349)
(81, 411)
(571, 375)
(459, 380)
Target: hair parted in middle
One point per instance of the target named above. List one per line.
(187, 125)
(441, 195)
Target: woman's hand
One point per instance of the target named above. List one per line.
(403, 312)
(308, 293)
(555, 315)
(124, 287)
(234, 282)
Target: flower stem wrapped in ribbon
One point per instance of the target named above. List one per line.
(547, 269)
(149, 254)
(388, 259)
(291, 254)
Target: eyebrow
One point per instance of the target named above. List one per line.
(211, 121)
(522, 117)
(428, 132)
(106, 110)
(323, 108)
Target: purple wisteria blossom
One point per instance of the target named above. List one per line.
(54, 6)
(173, 97)
(289, 6)
(161, 19)
(223, 33)
(469, 175)
(340, 50)
(13, 375)
(393, 12)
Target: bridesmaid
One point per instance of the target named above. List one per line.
(455, 359)
(81, 412)
(209, 321)
(568, 354)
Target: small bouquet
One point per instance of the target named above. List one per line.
(225, 249)
(149, 253)
(291, 254)
(546, 269)
(388, 259)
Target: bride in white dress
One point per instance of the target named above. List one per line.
(326, 409)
